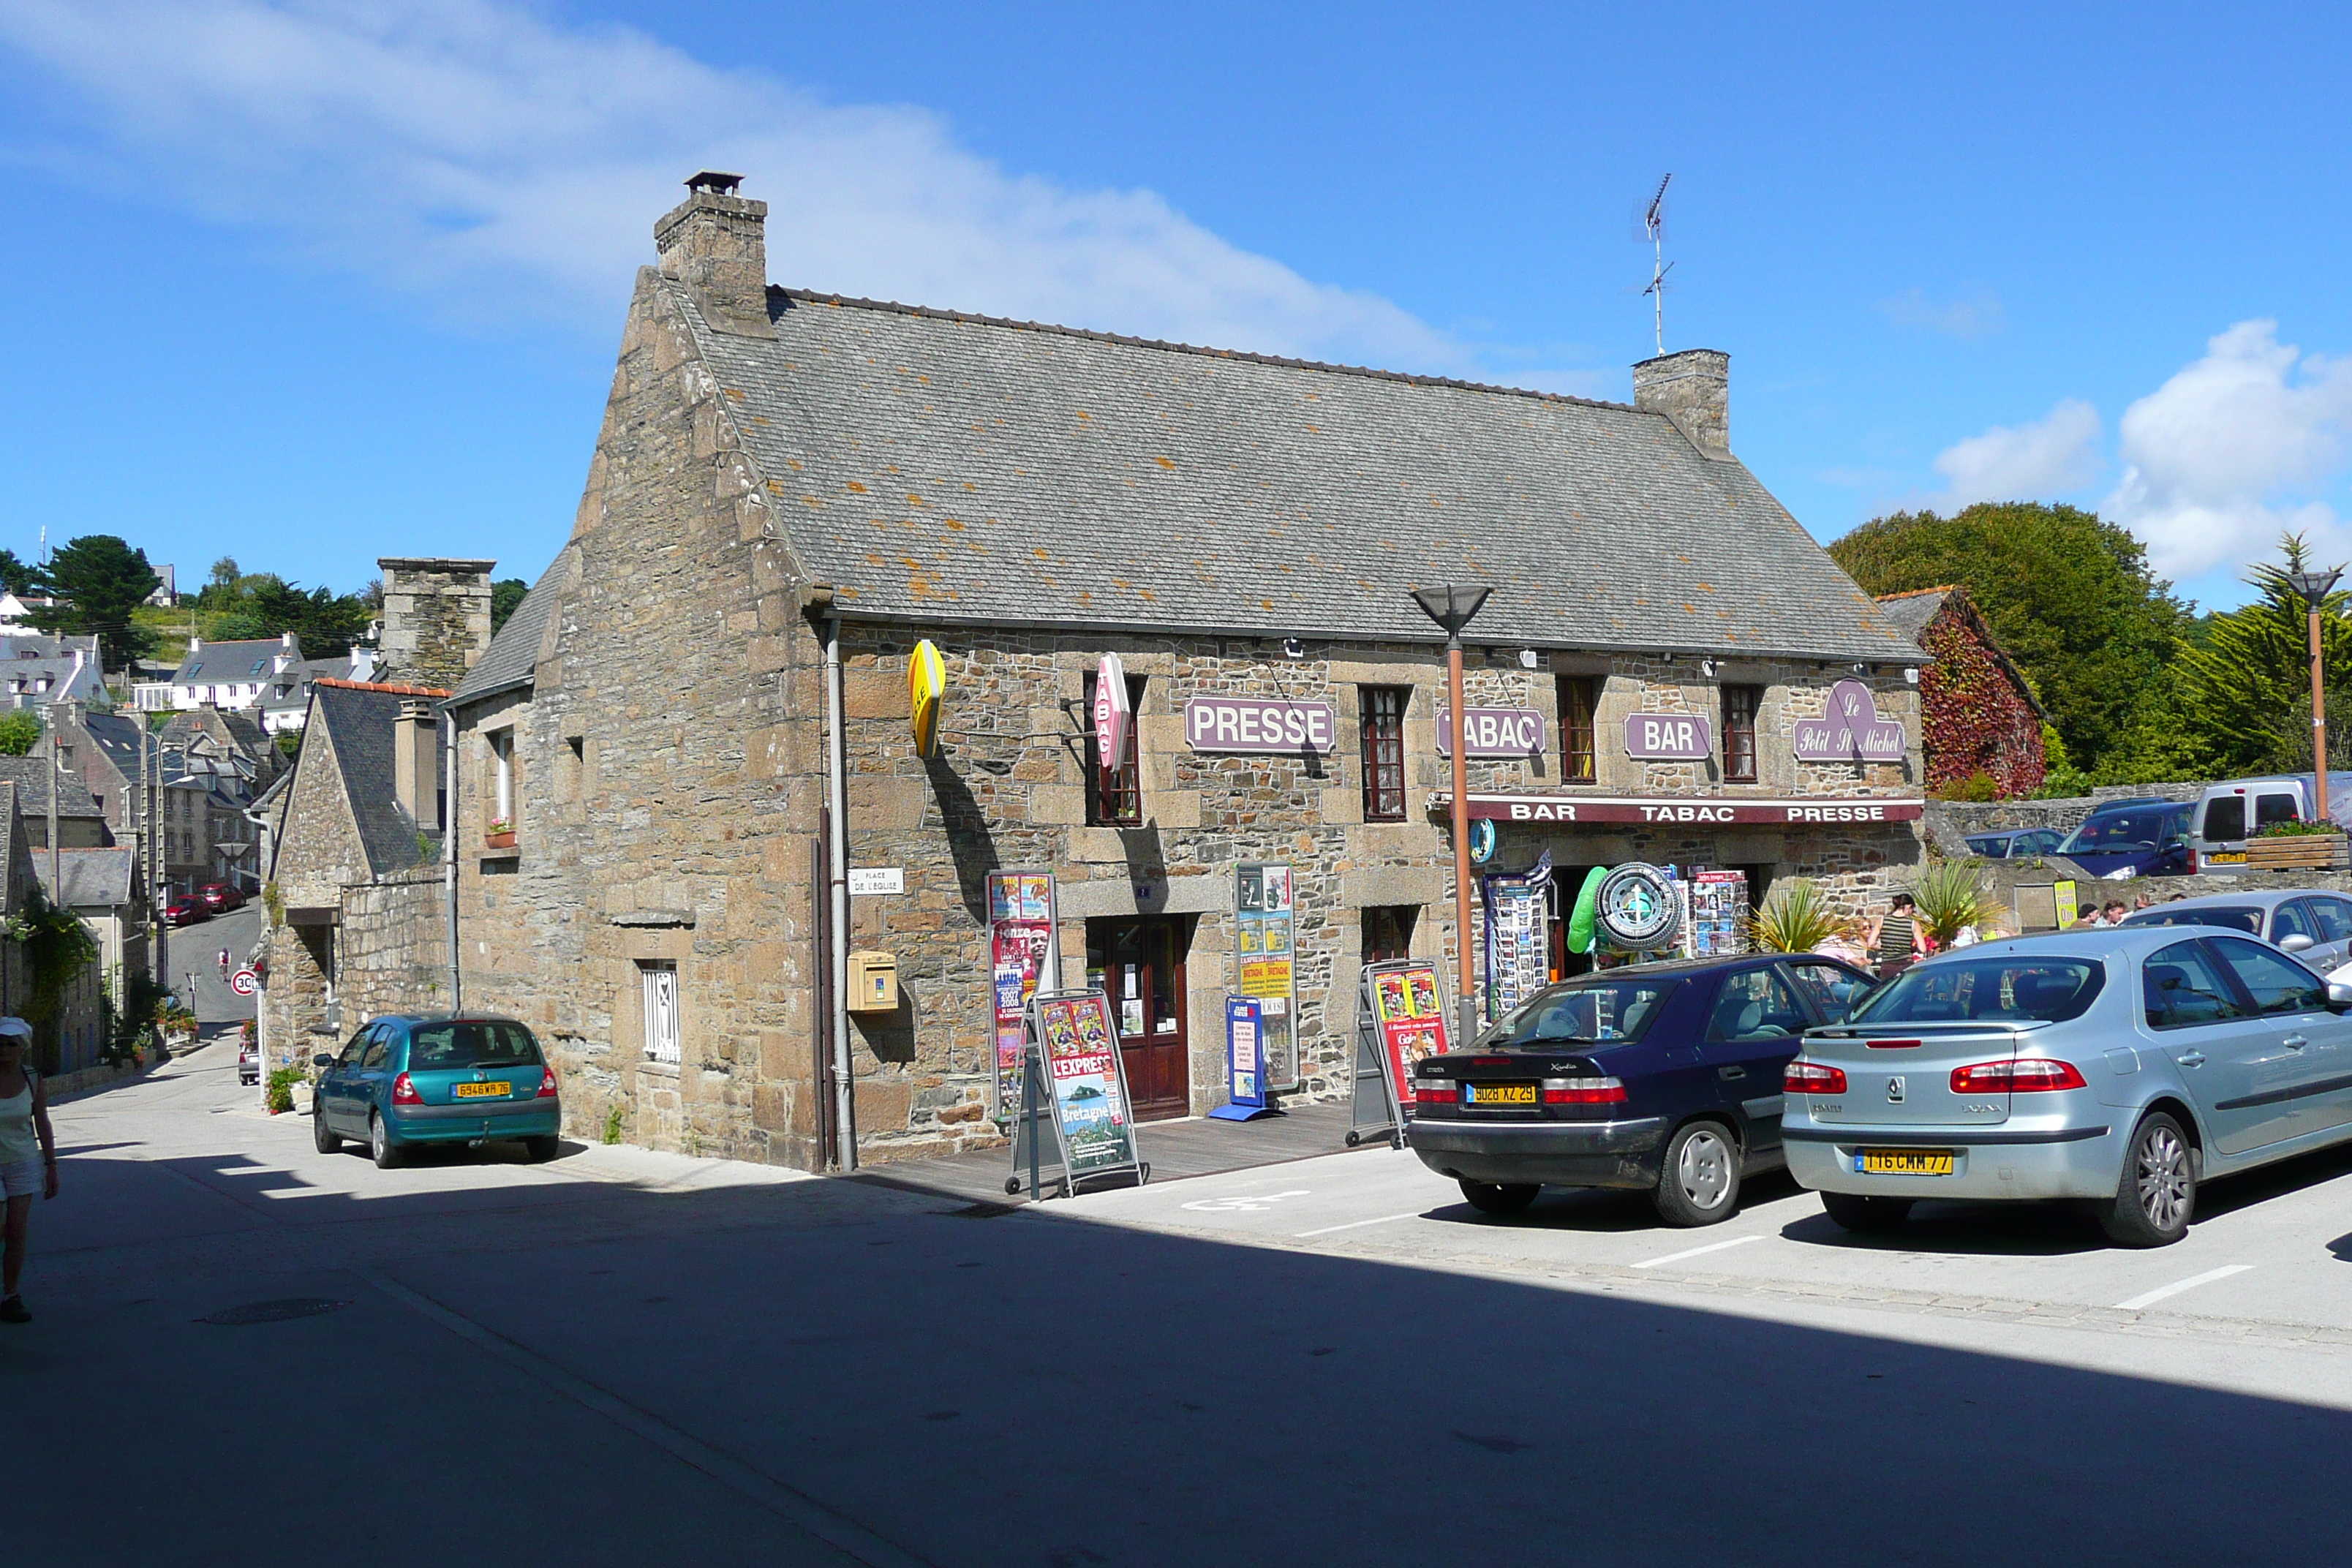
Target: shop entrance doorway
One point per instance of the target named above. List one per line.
(1567, 881)
(1140, 964)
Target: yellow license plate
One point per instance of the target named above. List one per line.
(478, 1092)
(1502, 1094)
(1903, 1162)
(2238, 858)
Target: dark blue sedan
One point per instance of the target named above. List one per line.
(2132, 838)
(1660, 1078)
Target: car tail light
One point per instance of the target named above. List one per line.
(404, 1093)
(546, 1083)
(1894, 1044)
(1434, 1092)
(1583, 1091)
(2028, 1075)
(1812, 1078)
(2192, 862)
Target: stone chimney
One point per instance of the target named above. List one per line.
(1692, 388)
(436, 619)
(415, 779)
(716, 243)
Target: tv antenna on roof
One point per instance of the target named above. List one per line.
(1653, 226)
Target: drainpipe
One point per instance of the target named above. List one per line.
(845, 1128)
(449, 851)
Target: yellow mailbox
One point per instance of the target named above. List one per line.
(873, 983)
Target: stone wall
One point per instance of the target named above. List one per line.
(436, 618)
(2065, 813)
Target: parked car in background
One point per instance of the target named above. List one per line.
(1663, 1077)
(2119, 1066)
(185, 910)
(2230, 812)
(2022, 844)
(220, 898)
(249, 1061)
(402, 1081)
(2317, 927)
(2133, 838)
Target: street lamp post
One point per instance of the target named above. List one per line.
(1451, 607)
(2314, 587)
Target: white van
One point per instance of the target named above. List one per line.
(2230, 813)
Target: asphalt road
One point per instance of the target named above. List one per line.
(196, 950)
(623, 1357)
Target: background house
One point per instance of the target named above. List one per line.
(1978, 714)
(103, 888)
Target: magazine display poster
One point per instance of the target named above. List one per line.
(1400, 1020)
(1518, 935)
(1246, 1086)
(1263, 911)
(1085, 1083)
(1717, 926)
(1022, 956)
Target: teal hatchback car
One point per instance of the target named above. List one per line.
(402, 1081)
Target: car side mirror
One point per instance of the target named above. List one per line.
(2175, 845)
(2298, 943)
(322, 1060)
(2340, 995)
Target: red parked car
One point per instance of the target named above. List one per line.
(220, 898)
(185, 910)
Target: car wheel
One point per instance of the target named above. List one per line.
(1865, 1216)
(1500, 1198)
(2158, 1189)
(380, 1144)
(326, 1142)
(1700, 1183)
(542, 1150)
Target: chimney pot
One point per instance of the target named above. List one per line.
(715, 242)
(1693, 388)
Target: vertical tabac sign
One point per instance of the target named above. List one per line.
(1112, 714)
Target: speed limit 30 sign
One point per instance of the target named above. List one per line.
(244, 982)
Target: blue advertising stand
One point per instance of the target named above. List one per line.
(1244, 1062)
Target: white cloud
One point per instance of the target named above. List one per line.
(2221, 458)
(489, 160)
(1973, 315)
(2023, 462)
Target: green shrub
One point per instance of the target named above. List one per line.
(2298, 829)
(281, 1088)
(613, 1125)
(1976, 787)
(1795, 917)
(1951, 898)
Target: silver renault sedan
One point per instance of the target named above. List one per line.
(2116, 1065)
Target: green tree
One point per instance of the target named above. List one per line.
(2070, 596)
(224, 574)
(20, 727)
(506, 594)
(2243, 693)
(16, 578)
(100, 580)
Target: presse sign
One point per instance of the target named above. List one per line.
(1262, 725)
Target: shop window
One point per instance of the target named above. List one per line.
(1739, 705)
(1115, 795)
(1383, 722)
(659, 981)
(1578, 696)
(1388, 932)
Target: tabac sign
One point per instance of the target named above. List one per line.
(1492, 732)
(1852, 732)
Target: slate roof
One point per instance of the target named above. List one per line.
(93, 878)
(31, 776)
(513, 654)
(1913, 613)
(937, 468)
(229, 663)
(117, 735)
(359, 719)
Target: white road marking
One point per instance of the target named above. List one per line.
(1698, 1251)
(1248, 1203)
(1360, 1224)
(2177, 1286)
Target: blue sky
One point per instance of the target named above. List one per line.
(309, 283)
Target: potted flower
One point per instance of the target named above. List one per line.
(501, 834)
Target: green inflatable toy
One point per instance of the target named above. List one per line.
(1580, 921)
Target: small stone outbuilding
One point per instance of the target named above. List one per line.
(1978, 712)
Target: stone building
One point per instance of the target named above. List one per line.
(81, 821)
(1978, 712)
(1669, 668)
(436, 619)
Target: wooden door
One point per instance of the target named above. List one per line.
(1141, 964)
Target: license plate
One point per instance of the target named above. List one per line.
(477, 1091)
(1499, 1094)
(2237, 857)
(1903, 1162)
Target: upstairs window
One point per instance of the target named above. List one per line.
(1383, 718)
(1115, 795)
(1579, 694)
(1739, 706)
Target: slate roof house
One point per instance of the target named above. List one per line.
(1979, 715)
(103, 888)
(790, 489)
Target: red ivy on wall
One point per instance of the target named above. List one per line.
(1975, 720)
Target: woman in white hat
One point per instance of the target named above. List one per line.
(28, 1156)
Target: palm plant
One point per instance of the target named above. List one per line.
(1795, 917)
(1951, 898)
